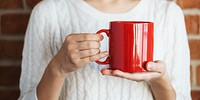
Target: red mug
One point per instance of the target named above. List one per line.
(130, 45)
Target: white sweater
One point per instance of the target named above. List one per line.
(52, 20)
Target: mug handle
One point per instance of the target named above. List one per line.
(107, 33)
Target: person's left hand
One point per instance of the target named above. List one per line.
(156, 71)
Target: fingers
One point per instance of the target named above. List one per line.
(134, 76)
(87, 45)
(106, 71)
(140, 76)
(88, 53)
(84, 53)
(85, 37)
(81, 49)
(155, 71)
(94, 57)
(83, 41)
(156, 66)
(144, 76)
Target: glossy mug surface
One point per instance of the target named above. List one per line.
(130, 45)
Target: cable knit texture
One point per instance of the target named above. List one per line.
(52, 20)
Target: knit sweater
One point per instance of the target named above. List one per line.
(52, 20)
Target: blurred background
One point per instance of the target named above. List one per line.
(14, 16)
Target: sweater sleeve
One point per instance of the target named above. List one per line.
(180, 72)
(37, 50)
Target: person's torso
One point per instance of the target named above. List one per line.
(88, 83)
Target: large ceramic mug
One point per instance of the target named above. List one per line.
(130, 45)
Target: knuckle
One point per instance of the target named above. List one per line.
(85, 37)
(93, 51)
(90, 44)
(96, 51)
(93, 58)
(101, 55)
(70, 46)
(161, 65)
(72, 56)
(69, 37)
(160, 62)
(96, 57)
(75, 62)
(98, 44)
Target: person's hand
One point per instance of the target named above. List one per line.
(79, 50)
(156, 71)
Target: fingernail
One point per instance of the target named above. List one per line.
(150, 66)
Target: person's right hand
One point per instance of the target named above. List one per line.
(79, 50)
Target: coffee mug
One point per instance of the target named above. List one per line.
(130, 45)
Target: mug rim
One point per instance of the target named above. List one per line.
(126, 22)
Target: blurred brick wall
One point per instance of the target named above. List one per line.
(14, 15)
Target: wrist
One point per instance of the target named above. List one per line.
(161, 82)
(51, 82)
(162, 88)
(55, 67)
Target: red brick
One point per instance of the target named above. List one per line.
(198, 75)
(9, 75)
(189, 3)
(192, 24)
(11, 49)
(32, 3)
(11, 4)
(9, 93)
(194, 49)
(195, 95)
(14, 24)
